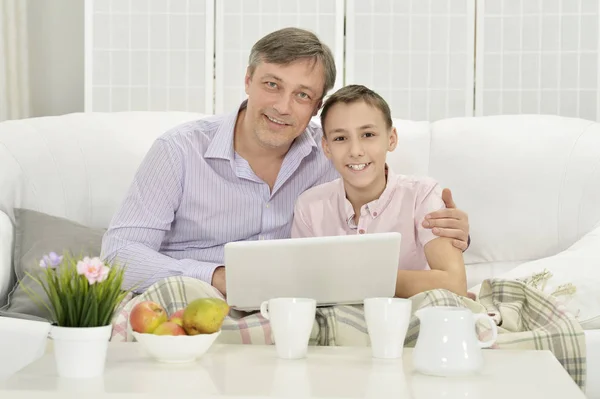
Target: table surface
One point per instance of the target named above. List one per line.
(253, 371)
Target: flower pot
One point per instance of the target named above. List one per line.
(80, 352)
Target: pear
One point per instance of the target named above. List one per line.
(204, 316)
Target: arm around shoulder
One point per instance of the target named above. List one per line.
(444, 259)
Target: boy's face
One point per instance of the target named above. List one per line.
(357, 141)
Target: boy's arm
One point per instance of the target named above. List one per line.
(301, 226)
(447, 271)
(444, 259)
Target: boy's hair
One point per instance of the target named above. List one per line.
(287, 45)
(355, 93)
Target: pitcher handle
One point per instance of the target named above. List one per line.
(264, 309)
(490, 342)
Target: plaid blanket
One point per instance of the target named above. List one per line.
(526, 319)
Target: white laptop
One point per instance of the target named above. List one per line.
(331, 270)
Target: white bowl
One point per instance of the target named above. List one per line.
(176, 348)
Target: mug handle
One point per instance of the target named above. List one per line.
(490, 342)
(263, 310)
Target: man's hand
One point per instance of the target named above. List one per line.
(450, 222)
(218, 280)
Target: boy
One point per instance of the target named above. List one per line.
(370, 198)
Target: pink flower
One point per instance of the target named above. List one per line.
(93, 269)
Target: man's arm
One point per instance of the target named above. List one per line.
(450, 222)
(139, 226)
(447, 271)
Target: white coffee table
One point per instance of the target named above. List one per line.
(244, 371)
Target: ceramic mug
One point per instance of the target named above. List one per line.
(291, 320)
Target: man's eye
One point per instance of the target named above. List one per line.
(272, 85)
(304, 96)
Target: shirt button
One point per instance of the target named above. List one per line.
(361, 231)
(267, 205)
(374, 213)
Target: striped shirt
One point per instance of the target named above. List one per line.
(193, 193)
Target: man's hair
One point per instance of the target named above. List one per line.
(355, 93)
(288, 45)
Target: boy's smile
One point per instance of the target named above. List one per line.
(359, 166)
(357, 140)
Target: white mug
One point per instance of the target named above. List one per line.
(387, 323)
(291, 320)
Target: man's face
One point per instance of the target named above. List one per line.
(357, 141)
(282, 99)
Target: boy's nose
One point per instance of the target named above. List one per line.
(357, 150)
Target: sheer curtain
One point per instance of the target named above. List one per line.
(14, 70)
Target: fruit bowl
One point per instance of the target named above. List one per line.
(176, 348)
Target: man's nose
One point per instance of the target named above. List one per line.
(283, 105)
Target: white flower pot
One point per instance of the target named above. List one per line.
(80, 352)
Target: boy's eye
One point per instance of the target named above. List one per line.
(369, 134)
(339, 138)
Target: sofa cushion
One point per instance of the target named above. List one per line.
(577, 268)
(37, 234)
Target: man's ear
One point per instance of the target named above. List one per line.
(247, 79)
(393, 139)
(317, 108)
(325, 146)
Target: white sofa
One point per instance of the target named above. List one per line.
(530, 184)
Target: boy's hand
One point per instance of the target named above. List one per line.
(450, 222)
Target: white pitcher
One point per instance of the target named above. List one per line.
(447, 344)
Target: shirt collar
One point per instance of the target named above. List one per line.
(375, 207)
(221, 146)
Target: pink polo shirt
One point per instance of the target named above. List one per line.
(324, 211)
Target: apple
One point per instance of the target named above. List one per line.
(177, 317)
(146, 316)
(169, 328)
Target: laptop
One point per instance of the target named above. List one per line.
(331, 270)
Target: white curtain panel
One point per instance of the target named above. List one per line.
(14, 71)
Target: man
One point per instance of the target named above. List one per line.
(235, 177)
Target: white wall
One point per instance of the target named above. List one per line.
(56, 56)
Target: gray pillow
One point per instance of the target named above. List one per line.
(37, 234)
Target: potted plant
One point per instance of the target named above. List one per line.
(82, 295)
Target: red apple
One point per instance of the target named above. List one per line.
(169, 328)
(146, 316)
(177, 317)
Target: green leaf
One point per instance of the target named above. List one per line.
(72, 301)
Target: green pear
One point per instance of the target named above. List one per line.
(204, 316)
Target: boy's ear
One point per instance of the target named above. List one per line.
(325, 147)
(393, 139)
